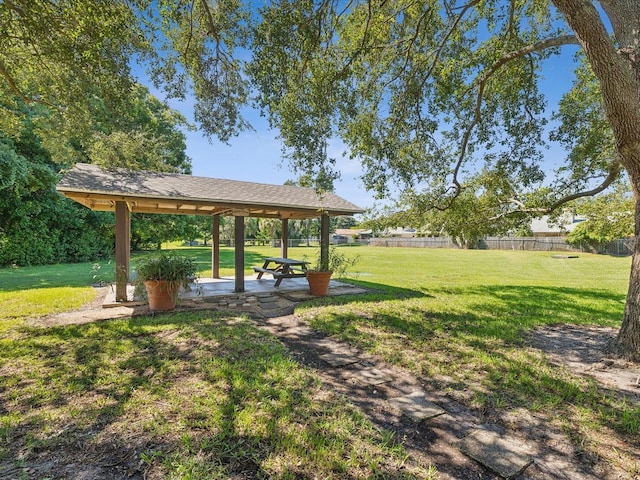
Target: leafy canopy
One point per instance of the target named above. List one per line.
(425, 93)
(75, 57)
(429, 94)
(38, 225)
(608, 217)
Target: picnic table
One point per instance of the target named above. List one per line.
(282, 268)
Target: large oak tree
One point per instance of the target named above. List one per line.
(425, 93)
(431, 95)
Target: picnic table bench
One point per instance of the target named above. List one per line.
(282, 268)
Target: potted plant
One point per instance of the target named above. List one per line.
(163, 275)
(320, 274)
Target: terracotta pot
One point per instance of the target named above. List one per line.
(162, 294)
(318, 283)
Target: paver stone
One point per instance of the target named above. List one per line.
(338, 359)
(505, 456)
(416, 406)
(371, 376)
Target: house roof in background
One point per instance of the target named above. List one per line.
(400, 231)
(565, 224)
(171, 193)
(353, 231)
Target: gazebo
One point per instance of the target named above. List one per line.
(126, 191)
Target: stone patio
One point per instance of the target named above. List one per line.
(208, 288)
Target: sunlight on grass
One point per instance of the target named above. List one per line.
(458, 320)
(208, 396)
(16, 306)
(34, 303)
(198, 395)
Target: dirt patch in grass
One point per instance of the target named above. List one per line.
(582, 350)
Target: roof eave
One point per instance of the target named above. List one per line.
(288, 211)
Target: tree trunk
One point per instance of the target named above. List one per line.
(627, 343)
(617, 67)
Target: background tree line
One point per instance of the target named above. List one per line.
(39, 226)
(605, 217)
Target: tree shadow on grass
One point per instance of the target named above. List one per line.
(465, 321)
(200, 394)
(503, 312)
(472, 338)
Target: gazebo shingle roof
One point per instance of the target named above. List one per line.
(154, 192)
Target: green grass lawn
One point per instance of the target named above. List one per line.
(459, 320)
(206, 395)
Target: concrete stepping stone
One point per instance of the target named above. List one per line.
(270, 306)
(416, 407)
(505, 456)
(269, 299)
(339, 359)
(371, 376)
(334, 347)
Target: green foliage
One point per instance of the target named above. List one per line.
(167, 266)
(344, 222)
(478, 211)
(64, 56)
(584, 130)
(13, 167)
(608, 217)
(338, 263)
(44, 229)
(75, 58)
(194, 53)
(38, 226)
(197, 227)
(145, 137)
(398, 81)
(426, 96)
(149, 231)
(423, 94)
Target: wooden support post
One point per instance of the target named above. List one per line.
(284, 246)
(239, 254)
(123, 248)
(324, 241)
(215, 247)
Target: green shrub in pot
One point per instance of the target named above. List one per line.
(163, 275)
(319, 274)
